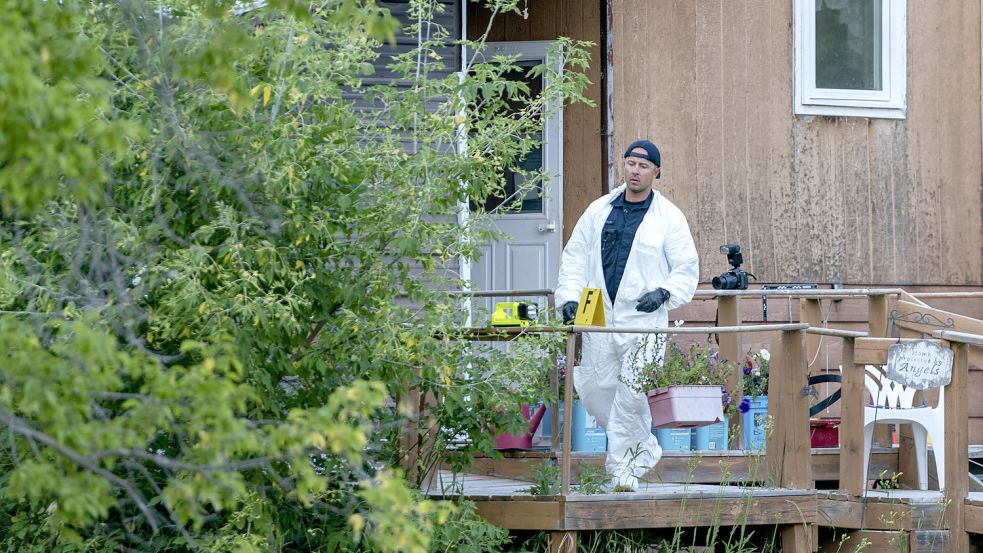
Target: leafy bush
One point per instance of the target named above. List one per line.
(221, 313)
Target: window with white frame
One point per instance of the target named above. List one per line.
(850, 58)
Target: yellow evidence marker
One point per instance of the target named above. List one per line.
(590, 312)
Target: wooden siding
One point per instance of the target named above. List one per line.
(547, 20)
(810, 199)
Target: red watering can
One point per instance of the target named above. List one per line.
(521, 441)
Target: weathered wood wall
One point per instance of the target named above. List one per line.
(810, 199)
(547, 20)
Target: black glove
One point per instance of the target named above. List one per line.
(653, 300)
(569, 312)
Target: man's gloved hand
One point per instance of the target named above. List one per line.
(569, 310)
(653, 300)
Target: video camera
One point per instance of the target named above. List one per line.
(735, 278)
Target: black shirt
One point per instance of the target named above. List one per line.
(617, 236)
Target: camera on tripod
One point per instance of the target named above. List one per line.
(734, 278)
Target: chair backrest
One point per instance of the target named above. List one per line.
(885, 392)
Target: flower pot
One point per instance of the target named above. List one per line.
(685, 406)
(585, 434)
(674, 439)
(754, 423)
(712, 437)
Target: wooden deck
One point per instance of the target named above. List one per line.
(727, 488)
(877, 516)
(507, 503)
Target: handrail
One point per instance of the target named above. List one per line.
(841, 293)
(946, 294)
(961, 337)
(835, 332)
(496, 293)
(518, 330)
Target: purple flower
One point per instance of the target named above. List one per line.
(727, 399)
(747, 371)
(745, 405)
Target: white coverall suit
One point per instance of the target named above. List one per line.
(662, 256)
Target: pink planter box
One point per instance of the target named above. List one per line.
(685, 406)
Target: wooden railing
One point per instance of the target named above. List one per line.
(787, 453)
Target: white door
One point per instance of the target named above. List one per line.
(529, 259)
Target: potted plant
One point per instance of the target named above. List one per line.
(686, 389)
(754, 406)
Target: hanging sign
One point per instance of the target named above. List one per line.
(921, 364)
(590, 312)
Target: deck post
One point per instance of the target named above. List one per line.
(729, 314)
(957, 450)
(811, 311)
(571, 360)
(877, 315)
(563, 542)
(852, 479)
(788, 454)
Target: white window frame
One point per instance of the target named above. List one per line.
(888, 103)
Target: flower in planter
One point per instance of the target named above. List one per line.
(755, 367)
(693, 366)
(745, 405)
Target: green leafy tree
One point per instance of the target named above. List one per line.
(222, 256)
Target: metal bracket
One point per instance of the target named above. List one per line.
(917, 317)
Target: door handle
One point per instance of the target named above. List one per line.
(550, 226)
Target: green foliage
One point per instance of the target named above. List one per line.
(221, 275)
(756, 368)
(697, 366)
(594, 479)
(546, 479)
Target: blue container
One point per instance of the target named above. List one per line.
(712, 437)
(585, 434)
(674, 439)
(754, 423)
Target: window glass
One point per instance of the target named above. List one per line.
(848, 44)
(532, 162)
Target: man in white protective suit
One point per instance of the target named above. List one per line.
(636, 246)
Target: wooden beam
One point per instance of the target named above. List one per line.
(697, 467)
(788, 447)
(873, 351)
(690, 512)
(563, 542)
(852, 479)
(571, 360)
(974, 518)
(877, 314)
(729, 314)
(810, 311)
(925, 319)
(797, 538)
(905, 296)
(522, 514)
(957, 449)
(871, 513)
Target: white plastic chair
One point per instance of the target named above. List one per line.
(893, 404)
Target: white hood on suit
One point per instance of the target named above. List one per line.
(662, 256)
